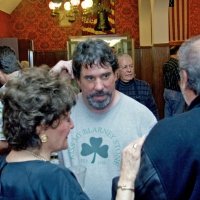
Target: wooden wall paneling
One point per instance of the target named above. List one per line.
(148, 67)
(146, 64)
(137, 63)
(160, 55)
(61, 55)
(49, 58)
(38, 58)
(24, 45)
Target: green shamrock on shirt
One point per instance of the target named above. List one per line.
(95, 148)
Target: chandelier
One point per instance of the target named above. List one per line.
(85, 8)
(69, 5)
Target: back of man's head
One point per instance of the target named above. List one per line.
(189, 60)
(8, 60)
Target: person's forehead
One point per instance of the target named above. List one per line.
(125, 60)
(95, 70)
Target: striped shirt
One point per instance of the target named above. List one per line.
(171, 74)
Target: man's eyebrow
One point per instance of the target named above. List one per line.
(88, 75)
(106, 73)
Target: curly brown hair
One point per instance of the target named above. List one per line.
(33, 99)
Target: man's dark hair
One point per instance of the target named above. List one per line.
(91, 52)
(173, 50)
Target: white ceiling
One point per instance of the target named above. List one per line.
(8, 6)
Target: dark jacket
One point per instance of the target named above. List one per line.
(170, 163)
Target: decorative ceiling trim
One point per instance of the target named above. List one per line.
(9, 6)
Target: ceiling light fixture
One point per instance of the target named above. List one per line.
(87, 8)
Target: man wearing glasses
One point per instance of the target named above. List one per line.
(134, 88)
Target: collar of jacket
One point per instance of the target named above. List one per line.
(195, 103)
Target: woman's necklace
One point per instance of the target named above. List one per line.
(38, 156)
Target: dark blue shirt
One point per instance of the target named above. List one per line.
(32, 180)
(140, 91)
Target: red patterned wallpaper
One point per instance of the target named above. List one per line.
(127, 19)
(194, 17)
(5, 25)
(32, 20)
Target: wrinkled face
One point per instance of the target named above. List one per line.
(126, 68)
(97, 84)
(57, 137)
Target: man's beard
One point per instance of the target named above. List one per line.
(99, 105)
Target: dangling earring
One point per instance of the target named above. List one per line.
(43, 138)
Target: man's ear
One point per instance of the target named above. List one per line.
(184, 79)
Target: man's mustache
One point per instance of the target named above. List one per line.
(99, 93)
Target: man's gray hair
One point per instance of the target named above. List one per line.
(189, 60)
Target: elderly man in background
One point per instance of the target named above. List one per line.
(137, 89)
(105, 119)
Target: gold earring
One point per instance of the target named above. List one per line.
(43, 138)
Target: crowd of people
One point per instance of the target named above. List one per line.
(105, 128)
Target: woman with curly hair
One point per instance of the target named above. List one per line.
(36, 122)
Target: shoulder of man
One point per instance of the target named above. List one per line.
(168, 144)
(142, 83)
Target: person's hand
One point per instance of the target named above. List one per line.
(130, 162)
(62, 65)
(13, 75)
(3, 78)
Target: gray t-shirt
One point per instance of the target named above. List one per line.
(97, 141)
